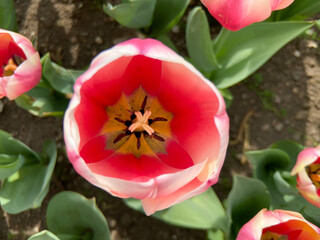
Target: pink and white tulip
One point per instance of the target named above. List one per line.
(144, 123)
(20, 65)
(237, 14)
(278, 225)
(308, 170)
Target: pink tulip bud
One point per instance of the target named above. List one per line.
(144, 123)
(308, 170)
(21, 67)
(237, 14)
(278, 225)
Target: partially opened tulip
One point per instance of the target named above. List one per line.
(144, 123)
(278, 225)
(237, 14)
(308, 170)
(20, 65)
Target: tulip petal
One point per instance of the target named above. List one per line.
(235, 14)
(305, 158)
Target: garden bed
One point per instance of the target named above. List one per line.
(280, 101)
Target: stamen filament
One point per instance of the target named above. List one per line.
(11, 66)
(142, 123)
(315, 177)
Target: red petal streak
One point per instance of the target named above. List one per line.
(176, 156)
(194, 105)
(128, 167)
(105, 86)
(90, 119)
(95, 150)
(142, 71)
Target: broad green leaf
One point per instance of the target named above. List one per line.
(70, 214)
(27, 187)
(246, 198)
(293, 201)
(215, 235)
(268, 160)
(44, 235)
(311, 213)
(318, 24)
(298, 10)
(199, 44)
(60, 79)
(9, 164)
(13, 147)
(204, 211)
(167, 13)
(132, 13)
(291, 148)
(43, 102)
(266, 163)
(242, 52)
(51, 96)
(8, 15)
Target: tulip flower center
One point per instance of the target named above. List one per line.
(9, 68)
(314, 174)
(292, 229)
(137, 124)
(11, 55)
(273, 236)
(141, 123)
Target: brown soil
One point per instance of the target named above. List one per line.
(74, 31)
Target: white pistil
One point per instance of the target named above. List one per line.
(142, 123)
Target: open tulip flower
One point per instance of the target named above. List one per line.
(20, 65)
(237, 14)
(144, 123)
(308, 170)
(278, 225)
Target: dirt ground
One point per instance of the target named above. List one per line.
(280, 101)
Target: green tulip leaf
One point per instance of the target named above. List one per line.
(43, 102)
(44, 235)
(132, 13)
(9, 164)
(311, 213)
(298, 10)
(204, 211)
(61, 79)
(291, 148)
(246, 198)
(72, 216)
(27, 187)
(8, 15)
(167, 13)
(199, 44)
(268, 161)
(51, 96)
(11, 146)
(240, 53)
(215, 235)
